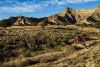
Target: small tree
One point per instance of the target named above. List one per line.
(69, 10)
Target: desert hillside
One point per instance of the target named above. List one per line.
(29, 46)
(49, 41)
(66, 17)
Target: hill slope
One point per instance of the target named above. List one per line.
(34, 47)
(66, 17)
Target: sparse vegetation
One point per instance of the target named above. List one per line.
(48, 41)
(28, 42)
(97, 24)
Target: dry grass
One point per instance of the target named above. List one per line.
(23, 46)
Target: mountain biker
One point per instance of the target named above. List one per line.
(80, 39)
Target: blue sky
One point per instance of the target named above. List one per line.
(41, 8)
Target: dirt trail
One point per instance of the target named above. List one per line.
(91, 29)
(58, 62)
(53, 59)
(76, 54)
(65, 61)
(87, 57)
(63, 58)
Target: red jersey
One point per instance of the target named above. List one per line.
(80, 38)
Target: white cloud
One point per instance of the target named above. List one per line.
(79, 1)
(14, 9)
(14, 6)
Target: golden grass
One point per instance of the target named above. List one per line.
(19, 44)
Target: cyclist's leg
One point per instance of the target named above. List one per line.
(83, 43)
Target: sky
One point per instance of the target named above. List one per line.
(41, 8)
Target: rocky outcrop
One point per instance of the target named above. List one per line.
(25, 21)
(95, 17)
(22, 21)
(68, 16)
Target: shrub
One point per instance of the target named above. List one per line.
(97, 24)
(2, 24)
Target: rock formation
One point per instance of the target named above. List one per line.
(68, 16)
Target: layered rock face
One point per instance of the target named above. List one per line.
(71, 16)
(68, 16)
(94, 17)
(24, 21)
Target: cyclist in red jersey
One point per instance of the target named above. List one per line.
(81, 40)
